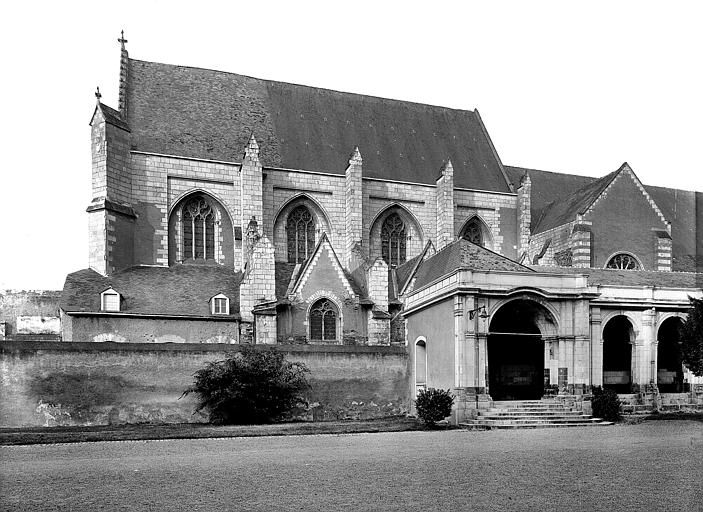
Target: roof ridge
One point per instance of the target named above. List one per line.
(272, 81)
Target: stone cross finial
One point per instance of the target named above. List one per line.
(97, 94)
(122, 40)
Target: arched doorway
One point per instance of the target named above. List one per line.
(516, 350)
(669, 366)
(618, 335)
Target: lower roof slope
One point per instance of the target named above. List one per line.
(182, 290)
(466, 255)
(203, 113)
(614, 277)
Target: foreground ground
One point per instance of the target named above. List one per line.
(646, 466)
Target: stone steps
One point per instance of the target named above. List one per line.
(531, 414)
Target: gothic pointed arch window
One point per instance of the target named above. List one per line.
(623, 261)
(198, 225)
(323, 321)
(473, 232)
(393, 240)
(300, 228)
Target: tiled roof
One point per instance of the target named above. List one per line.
(284, 272)
(177, 290)
(612, 277)
(203, 113)
(463, 254)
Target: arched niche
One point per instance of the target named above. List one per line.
(420, 364)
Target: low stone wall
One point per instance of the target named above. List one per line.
(60, 383)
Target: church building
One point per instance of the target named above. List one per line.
(230, 209)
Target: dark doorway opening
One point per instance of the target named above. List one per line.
(669, 365)
(516, 352)
(618, 335)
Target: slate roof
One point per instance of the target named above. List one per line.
(612, 277)
(183, 290)
(284, 272)
(683, 208)
(113, 117)
(210, 114)
(463, 254)
(566, 207)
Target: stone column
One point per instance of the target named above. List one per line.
(596, 373)
(563, 370)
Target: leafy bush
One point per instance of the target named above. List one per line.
(605, 404)
(433, 405)
(691, 333)
(252, 386)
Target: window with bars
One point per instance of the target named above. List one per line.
(323, 321)
(623, 262)
(198, 230)
(393, 240)
(473, 232)
(300, 228)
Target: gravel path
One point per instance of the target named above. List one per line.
(650, 466)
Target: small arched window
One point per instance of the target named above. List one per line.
(300, 228)
(623, 262)
(198, 219)
(323, 321)
(473, 232)
(393, 240)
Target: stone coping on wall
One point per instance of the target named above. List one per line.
(108, 346)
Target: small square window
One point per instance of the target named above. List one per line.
(111, 302)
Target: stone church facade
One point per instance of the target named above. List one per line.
(229, 209)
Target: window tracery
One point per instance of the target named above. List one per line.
(198, 225)
(323, 321)
(473, 232)
(623, 262)
(393, 240)
(300, 228)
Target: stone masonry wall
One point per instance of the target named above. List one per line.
(497, 211)
(60, 384)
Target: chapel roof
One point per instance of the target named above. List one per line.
(182, 290)
(209, 114)
(683, 208)
(466, 255)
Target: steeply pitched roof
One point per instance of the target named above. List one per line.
(565, 208)
(613, 277)
(183, 290)
(210, 114)
(463, 254)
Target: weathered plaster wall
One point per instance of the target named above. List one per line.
(49, 384)
(436, 325)
(149, 330)
(29, 303)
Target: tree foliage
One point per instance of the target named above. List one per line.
(691, 336)
(606, 404)
(433, 405)
(251, 386)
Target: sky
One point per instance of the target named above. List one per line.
(574, 87)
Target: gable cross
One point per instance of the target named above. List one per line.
(122, 40)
